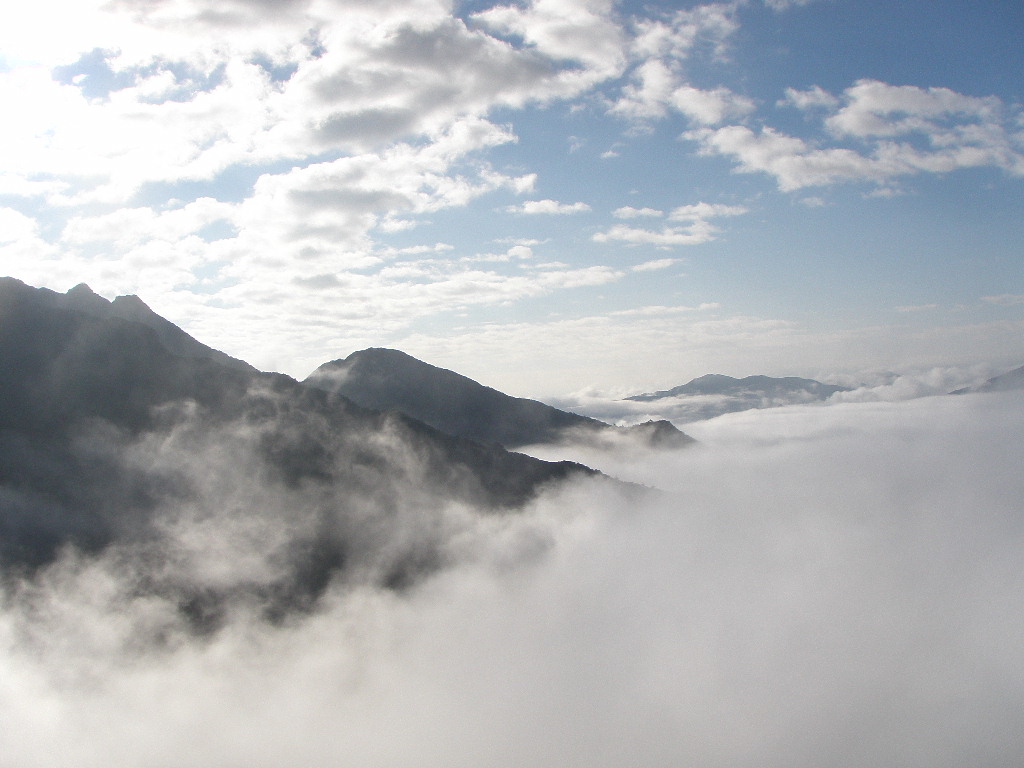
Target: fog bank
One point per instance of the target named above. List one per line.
(818, 586)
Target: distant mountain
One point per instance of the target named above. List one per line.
(118, 430)
(714, 394)
(392, 380)
(1005, 382)
(750, 386)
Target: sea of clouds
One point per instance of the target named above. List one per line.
(869, 385)
(809, 586)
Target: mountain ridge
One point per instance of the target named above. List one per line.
(720, 384)
(110, 439)
(384, 378)
(130, 307)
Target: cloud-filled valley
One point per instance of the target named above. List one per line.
(591, 383)
(273, 577)
(834, 586)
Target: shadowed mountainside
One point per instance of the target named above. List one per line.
(455, 404)
(127, 434)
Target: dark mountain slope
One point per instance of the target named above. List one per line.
(118, 434)
(452, 403)
(173, 339)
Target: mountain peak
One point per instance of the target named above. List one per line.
(131, 307)
(710, 378)
(130, 300)
(85, 299)
(81, 289)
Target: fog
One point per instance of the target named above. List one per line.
(811, 586)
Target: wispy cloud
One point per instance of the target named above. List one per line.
(655, 265)
(1005, 299)
(548, 207)
(698, 229)
(628, 212)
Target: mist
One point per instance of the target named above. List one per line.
(808, 586)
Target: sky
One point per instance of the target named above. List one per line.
(545, 196)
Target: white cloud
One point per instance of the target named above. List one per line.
(704, 210)
(655, 264)
(783, 5)
(813, 201)
(657, 82)
(520, 252)
(699, 231)
(629, 212)
(792, 162)
(565, 30)
(959, 132)
(127, 227)
(548, 207)
(874, 108)
(813, 98)
(413, 250)
(710, 107)
(658, 88)
(529, 242)
(30, 35)
(647, 97)
(679, 36)
(663, 311)
(331, 307)
(15, 226)
(888, 386)
(195, 103)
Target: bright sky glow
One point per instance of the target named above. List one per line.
(544, 196)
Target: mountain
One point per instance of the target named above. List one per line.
(392, 380)
(121, 433)
(714, 394)
(1005, 382)
(82, 299)
(759, 386)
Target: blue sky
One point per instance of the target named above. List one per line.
(545, 196)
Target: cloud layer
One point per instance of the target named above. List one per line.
(821, 585)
